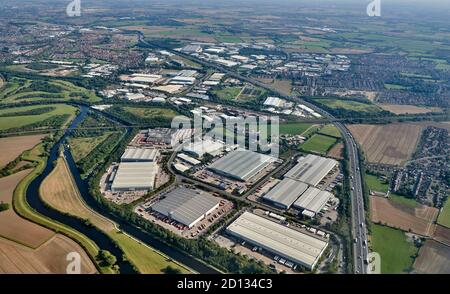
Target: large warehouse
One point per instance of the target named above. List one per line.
(311, 169)
(202, 147)
(285, 193)
(278, 239)
(132, 154)
(186, 206)
(241, 164)
(135, 176)
(313, 201)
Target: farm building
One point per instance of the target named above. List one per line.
(278, 239)
(312, 201)
(241, 164)
(186, 206)
(132, 154)
(135, 176)
(311, 169)
(285, 193)
(200, 148)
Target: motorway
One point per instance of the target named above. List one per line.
(359, 228)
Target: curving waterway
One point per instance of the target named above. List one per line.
(101, 239)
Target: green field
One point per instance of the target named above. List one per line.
(318, 144)
(146, 259)
(397, 253)
(409, 202)
(229, 93)
(294, 128)
(395, 87)
(444, 215)
(82, 146)
(143, 112)
(375, 184)
(330, 130)
(9, 122)
(25, 90)
(227, 39)
(346, 105)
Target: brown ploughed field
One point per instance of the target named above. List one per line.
(419, 220)
(12, 147)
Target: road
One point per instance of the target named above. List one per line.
(359, 228)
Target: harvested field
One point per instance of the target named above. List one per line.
(12, 147)
(419, 220)
(434, 258)
(387, 144)
(336, 151)
(60, 192)
(408, 109)
(50, 258)
(12, 226)
(442, 234)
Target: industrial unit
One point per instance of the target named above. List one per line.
(186, 206)
(188, 159)
(202, 147)
(278, 239)
(311, 169)
(133, 154)
(285, 193)
(241, 164)
(312, 201)
(135, 176)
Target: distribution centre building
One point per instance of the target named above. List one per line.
(311, 169)
(135, 176)
(285, 193)
(186, 206)
(133, 154)
(283, 241)
(312, 201)
(241, 164)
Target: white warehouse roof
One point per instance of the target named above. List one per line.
(311, 169)
(241, 164)
(278, 239)
(313, 200)
(135, 176)
(199, 148)
(186, 206)
(139, 154)
(285, 193)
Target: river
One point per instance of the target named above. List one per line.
(102, 240)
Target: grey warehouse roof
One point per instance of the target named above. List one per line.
(311, 169)
(186, 205)
(140, 154)
(286, 192)
(276, 238)
(313, 200)
(137, 175)
(242, 164)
